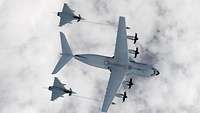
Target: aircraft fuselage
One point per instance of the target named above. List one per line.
(51, 88)
(104, 62)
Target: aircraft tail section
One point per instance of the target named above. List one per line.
(64, 44)
(66, 54)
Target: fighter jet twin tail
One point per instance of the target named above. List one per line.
(121, 65)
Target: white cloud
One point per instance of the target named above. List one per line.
(168, 32)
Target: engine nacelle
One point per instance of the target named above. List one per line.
(131, 51)
(130, 37)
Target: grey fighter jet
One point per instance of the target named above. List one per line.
(58, 89)
(67, 15)
(119, 65)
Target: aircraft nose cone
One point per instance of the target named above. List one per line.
(157, 72)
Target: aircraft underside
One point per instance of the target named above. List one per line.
(104, 62)
(120, 65)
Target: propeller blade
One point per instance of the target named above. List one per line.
(125, 93)
(135, 55)
(131, 80)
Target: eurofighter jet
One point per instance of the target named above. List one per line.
(67, 15)
(58, 89)
(119, 65)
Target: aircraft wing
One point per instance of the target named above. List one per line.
(121, 48)
(117, 72)
(66, 19)
(66, 9)
(116, 78)
(56, 93)
(58, 84)
(68, 15)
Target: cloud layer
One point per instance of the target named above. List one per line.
(30, 47)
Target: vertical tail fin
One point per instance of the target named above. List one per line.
(64, 44)
(66, 53)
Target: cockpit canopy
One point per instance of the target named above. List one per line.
(156, 72)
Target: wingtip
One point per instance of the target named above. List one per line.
(54, 72)
(103, 111)
(61, 33)
(60, 24)
(65, 3)
(121, 16)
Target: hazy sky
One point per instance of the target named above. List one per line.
(169, 37)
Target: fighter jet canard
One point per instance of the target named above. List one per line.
(119, 65)
(67, 15)
(58, 89)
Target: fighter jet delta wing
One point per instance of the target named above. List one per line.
(66, 9)
(56, 94)
(119, 68)
(57, 83)
(66, 16)
(57, 89)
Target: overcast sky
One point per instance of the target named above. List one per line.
(169, 37)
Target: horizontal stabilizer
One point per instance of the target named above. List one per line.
(66, 54)
(64, 44)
